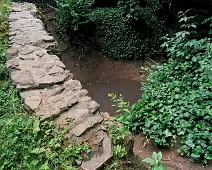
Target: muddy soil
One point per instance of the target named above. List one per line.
(171, 159)
(101, 75)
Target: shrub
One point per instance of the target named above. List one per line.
(128, 32)
(72, 16)
(177, 99)
(116, 37)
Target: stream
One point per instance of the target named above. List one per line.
(101, 75)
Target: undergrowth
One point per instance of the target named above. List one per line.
(26, 142)
(130, 31)
(4, 12)
(117, 38)
(176, 103)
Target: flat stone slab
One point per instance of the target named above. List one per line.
(31, 69)
(50, 102)
(96, 161)
(79, 112)
(79, 129)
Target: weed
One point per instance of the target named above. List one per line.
(155, 162)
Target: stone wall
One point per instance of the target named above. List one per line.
(49, 90)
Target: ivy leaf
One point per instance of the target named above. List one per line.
(208, 156)
(167, 133)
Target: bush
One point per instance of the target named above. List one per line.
(72, 16)
(116, 37)
(122, 38)
(177, 99)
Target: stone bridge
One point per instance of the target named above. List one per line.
(49, 90)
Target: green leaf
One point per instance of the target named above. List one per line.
(36, 127)
(208, 156)
(167, 133)
(159, 156)
(149, 161)
(45, 166)
(154, 156)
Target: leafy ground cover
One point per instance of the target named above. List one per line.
(26, 142)
(176, 103)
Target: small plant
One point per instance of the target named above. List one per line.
(123, 106)
(119, 152)
(117, 131)
(155, 162)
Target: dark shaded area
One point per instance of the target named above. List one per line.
(105, 3)
(170, 8)
(199, 5)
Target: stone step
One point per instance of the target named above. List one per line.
(78, 113)
(102, 149)
(88, 123)
(50, 102)
(31, 69)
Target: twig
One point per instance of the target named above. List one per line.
(169, 159)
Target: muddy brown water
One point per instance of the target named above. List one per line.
(101, 75)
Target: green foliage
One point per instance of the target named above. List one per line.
(119, 152)
(118, 134)
(123, 107)
(132, 8)
(72, 17)
(177, 99)
(28, 143)
(126, 32)
(156, 161)
(4, 12)
(123, 38)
